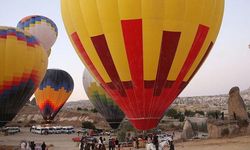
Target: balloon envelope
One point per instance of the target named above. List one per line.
(102, 101)
(23, 63)
(53, 92)
(143, 52)
(43, 28)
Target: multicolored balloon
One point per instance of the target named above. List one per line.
(43, 28)
(102, 101)
(53, 92)
(23, 63)
(143, 52)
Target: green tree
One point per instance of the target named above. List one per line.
(94, 110)
(189, 113)
(88, 125)
(171, 113)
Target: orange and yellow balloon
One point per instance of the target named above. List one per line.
(53, 92)
(23, 63)
(143, 52)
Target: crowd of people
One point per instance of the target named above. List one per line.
(153, 142)
(31, 145)
(87, 143)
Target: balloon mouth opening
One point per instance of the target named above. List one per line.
(144, 123)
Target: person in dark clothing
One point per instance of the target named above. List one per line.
(110, 144)
(156, 142)
(32, 145)
(117, 143)
(171, 145)
(100, 143)
(43, 146)
(222, 116)
(137, 142)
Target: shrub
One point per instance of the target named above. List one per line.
(171, 113)
(88, 125)
(189, 113)
(94, 110)
(200, 112)
(79, 109)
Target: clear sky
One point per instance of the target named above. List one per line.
(227, 65)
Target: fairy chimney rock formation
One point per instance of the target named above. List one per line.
(188, 131)
(236, 105)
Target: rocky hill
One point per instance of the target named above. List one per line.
(216, 102)
(69, 115)
(78, 111)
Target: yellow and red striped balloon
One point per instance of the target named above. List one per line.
(143, 52)
(23, 63)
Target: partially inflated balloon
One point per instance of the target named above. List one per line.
(53, 92)
(23, 63)
(143, 52)
(102, 101)
(43, 28)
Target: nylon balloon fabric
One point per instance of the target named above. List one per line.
(43, 28)
(23, 63)
(102, 101)
(143, 52)
(53, 92)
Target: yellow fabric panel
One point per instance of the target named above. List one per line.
(74, 12)
(56, 98)
(89, 12)
(18, 60)
(111, 24)
(134, 7)
(195, 15)
(2, 59)
(214, 22)
(152, 35)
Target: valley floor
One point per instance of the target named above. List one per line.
(64, 142)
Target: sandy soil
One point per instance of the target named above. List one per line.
(59, 142)
(236, 143)
(64, 142)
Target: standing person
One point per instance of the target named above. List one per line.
(110, 144)
(43, 146)
(32, 145)
(171, 145)
(117, 145)
(100, 143)
(137, 142)
(23, 145)
(156, 142)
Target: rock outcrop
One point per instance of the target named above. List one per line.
(220, 128)
(236, 105)
(188, 131)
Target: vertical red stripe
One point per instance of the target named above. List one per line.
(102, 50)
(91, 66)
(85, 56)
(169, 46)
(132, 34)
(193, 53)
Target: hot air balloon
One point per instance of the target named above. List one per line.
(53, 92)
(43, 28)
(143, 52)
(102, 101)
(23, 63)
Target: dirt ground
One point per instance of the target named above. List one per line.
(236, 143)
(64, 142)
(59, 141)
